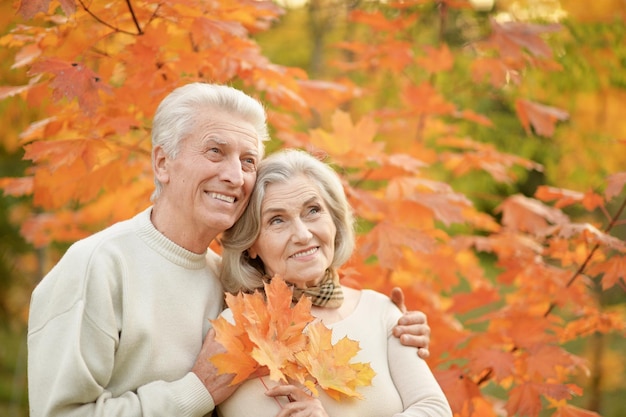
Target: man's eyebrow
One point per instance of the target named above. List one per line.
(224, 142)
(211, 138)
(252, 152)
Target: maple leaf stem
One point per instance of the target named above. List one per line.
(583, 266)
(485, 378)
(267, 388)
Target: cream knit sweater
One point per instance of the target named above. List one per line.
(115, 327)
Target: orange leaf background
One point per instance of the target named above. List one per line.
(511, 256)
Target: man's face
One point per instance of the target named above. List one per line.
(208, 184)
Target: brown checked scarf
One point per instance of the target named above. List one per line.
(327, 293)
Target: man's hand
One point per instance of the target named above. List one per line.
(218, 385)
(412, 328)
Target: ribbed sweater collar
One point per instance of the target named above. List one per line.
(165, 247)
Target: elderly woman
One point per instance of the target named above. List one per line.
(299, 225)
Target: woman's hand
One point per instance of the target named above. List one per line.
(300, 404)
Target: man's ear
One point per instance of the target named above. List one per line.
(159, 165)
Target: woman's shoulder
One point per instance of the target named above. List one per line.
(376, 296)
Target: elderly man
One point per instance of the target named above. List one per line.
(120, 326)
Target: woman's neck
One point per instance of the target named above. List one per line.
(334, 315)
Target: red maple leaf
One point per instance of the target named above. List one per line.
(72, 80)
(29, 8)
(615, 185)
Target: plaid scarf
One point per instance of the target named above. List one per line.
(327, 293)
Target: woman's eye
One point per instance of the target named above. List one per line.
(275, 220)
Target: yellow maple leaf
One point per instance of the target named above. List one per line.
(350, 144)
(331, 365)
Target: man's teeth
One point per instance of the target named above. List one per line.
(222, 197)
(306, 253)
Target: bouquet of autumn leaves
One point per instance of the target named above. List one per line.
(269, 331)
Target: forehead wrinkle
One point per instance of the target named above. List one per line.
(213, 137)
(215, 128)
(267, 210)
(214, 124)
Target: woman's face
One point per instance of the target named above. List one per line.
(297, 239)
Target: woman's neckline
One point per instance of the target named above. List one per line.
(332, 316)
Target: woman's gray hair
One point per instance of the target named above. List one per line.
(239, 271)
(176, 116)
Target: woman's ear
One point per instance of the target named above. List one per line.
(252, 253)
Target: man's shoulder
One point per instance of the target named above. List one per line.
(112, 233)
(78, 256)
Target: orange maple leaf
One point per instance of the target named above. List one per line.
(265, 333)
(542, 118)
(437, 59)
(269, 331)
(236, 359)
(566, 410)
(498, 361)
(614, 271)
(350, 144)
(563, 197)
(459, 388)
(524, 400)
(379, 22)
(529, 215)
(472, 155)
(386, 239)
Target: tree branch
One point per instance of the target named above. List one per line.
(583, 266)
(132, 13)
(84, 6)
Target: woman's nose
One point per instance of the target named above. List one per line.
(301, 232)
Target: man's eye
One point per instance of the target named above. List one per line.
(249, 164)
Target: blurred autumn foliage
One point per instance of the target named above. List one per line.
(483, 152)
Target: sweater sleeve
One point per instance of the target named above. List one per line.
(419, 390)
(72, 344)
